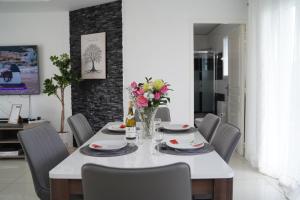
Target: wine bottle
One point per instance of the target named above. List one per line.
(130, 123)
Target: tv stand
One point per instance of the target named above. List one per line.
(10, 147)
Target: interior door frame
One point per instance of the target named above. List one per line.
(242, 44)
(191, 69)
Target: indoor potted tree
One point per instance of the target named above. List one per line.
(56, 86)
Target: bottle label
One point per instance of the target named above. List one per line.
(130, 132)
(130, 116)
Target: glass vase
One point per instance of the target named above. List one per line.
(147, 116)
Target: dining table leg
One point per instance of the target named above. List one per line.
(215, 189)
(223, 189)
(59, 189)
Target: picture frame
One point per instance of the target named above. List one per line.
(15, 113)
(93, 56)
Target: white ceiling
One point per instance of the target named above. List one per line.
(204, 29)
(46, 5)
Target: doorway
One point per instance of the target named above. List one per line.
(208, 67)
(219, 63)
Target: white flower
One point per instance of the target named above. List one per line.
(150, 96)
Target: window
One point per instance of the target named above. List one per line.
(225, 56)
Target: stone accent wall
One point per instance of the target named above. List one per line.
(101, 101)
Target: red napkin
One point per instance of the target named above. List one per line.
(174, 141)
(96, 146)
(122, 126)
(185, 126)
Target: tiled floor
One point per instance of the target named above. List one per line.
(249, 184)
(16, 182)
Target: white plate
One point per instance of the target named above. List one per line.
(184, 144)
(116, 128)
(177, 127)
(105, 145)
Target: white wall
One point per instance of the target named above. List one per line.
(200, 42)
(50, 31)
(158, 42)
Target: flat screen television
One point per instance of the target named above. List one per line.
(19, 70)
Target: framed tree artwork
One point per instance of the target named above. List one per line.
(93, 56)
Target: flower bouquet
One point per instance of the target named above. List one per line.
(147, 97)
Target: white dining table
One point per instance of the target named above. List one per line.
(211, 176)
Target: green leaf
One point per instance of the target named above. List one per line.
(49, 87)
(64, 78)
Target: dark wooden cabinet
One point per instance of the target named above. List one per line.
(9, 141)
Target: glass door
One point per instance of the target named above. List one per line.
(204, 82)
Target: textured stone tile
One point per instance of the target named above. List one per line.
(101, 101)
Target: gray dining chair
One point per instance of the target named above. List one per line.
(209, 125)
(171, 182)
(225, 140)
(162, 112)
(43, 149)
(81, 128)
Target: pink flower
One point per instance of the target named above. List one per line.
(157, 96)
(164, 89)
(140, 91)
(141, 102)
(133, 84)
(134, 92)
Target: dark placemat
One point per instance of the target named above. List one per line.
(129, 148)
(190, 130)
(108, 132)
(163, 148)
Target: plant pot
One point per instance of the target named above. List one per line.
(67, 139)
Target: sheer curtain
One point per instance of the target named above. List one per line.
(273, 91)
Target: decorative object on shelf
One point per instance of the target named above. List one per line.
(147, 97)
(93, 56)
(15, 114)
(57, 84)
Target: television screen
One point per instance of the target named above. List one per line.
(19, 70)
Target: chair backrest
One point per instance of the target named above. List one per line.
(81, 128)
(162, 112)
(171, 182)
(209, 125)
(43, 149)
(225, 140)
